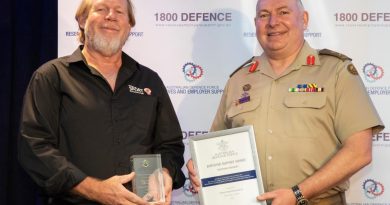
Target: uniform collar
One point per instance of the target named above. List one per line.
(299, 62)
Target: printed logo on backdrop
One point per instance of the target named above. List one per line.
(189, 134)
(188, 189)
(373, 189)
(312, 35)
(372, 74)
(382, 139)
(249, 34)
(308, 34)
(362, 19)
(136, 34)
(71, 33)
(131, 34)
(194, 19)
(193, 73)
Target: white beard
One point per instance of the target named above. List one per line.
(105, 46)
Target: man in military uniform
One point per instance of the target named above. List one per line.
(312, 117)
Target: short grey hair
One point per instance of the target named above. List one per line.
(299, 3)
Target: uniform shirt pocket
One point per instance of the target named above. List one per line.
(305, 100)
(304, 115)
(243, 114)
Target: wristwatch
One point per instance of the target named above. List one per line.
(300, 198)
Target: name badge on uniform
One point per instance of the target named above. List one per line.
(245, 97)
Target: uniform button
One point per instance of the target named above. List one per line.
(270, 131)
(271, 185)
(269, 157)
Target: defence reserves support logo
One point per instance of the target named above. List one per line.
(372, 72)
(188, 189)
(372, 188)
(192, 71)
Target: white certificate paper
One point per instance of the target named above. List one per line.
(228, 167)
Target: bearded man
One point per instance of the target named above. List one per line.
(85, 114)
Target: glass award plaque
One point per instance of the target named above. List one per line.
(148, 182)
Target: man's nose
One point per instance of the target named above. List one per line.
(111, 15)
(273, 20)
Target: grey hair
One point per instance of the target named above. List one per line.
(299, 3)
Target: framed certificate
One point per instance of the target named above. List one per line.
(228, 167)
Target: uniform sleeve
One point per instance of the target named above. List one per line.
(38, 137)
(169, 138)
(219, 122)
(354, 109)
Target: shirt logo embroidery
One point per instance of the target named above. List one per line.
(136, 90)
(148, 91)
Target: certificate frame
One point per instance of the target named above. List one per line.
(228, 167)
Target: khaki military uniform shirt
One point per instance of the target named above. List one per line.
(298, 132)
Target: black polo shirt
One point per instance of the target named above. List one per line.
(73, 125)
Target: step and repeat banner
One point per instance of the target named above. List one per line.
(195, 45)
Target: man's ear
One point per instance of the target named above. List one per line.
(81, 22)
(305, 19)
